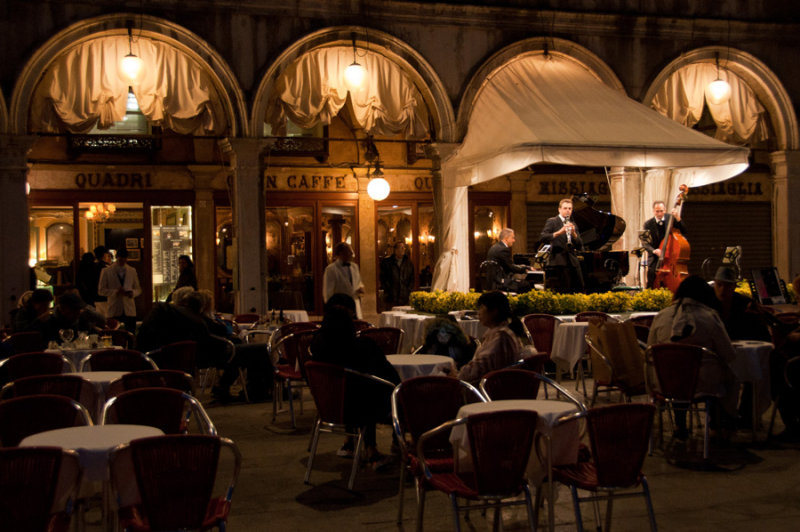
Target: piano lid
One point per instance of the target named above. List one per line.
(598, 229)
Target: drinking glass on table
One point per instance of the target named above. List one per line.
(66, 336)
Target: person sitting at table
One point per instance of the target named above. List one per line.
(335, 342)
(71, 312)
(692, 318)
(502, 345)
(33, 314)
(739, 313)
(444, 337)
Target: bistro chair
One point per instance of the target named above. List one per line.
(27, 342)
(360, 325)
(289, 371)
(597, 317)
(512, 383)
(249, 318)
(117, 360)
(619, 436)
(420, 404)
(35, 363)
(330, 385)
(69, 385)
(38, 488)
(120, 337)
(387, 338)
(500, 444)
(646, 320)
(21, 417)
(609, 376)
(165, 408)
(174, 482)
(676, 368)
(154, 378)
(180, 356)
(541, 329)
(276, 352)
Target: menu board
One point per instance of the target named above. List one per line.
(169, 242)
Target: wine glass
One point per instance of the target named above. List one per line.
(66, 335)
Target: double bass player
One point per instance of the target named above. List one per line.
(657, 227)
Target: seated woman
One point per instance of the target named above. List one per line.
(692, 318)
(501, 346)
(444, 337)
(336, 343)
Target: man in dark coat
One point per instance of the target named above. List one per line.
(563, 268)
(397, 277)
(500, 252)
(656, 228)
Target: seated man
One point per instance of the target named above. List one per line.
(501, 254)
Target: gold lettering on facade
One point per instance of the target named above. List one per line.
(111, 180)
(304, 182)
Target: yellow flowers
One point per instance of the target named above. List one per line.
(546, 302)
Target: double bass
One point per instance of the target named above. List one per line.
(673, 264)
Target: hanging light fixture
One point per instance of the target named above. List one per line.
(378, 188)
(100, 212)
(719, 90)
(131, 65)
(355, 74)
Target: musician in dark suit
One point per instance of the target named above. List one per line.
(501, 253)
(656, 228)
(564, 269)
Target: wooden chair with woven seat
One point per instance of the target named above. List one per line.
(168, 409)
(31, 364)
(500, 444)
(21, 417)
(178, 482)
(619, 436)
(69, 385)
(38, 488)
(387, 338)
(420, 404)
(117, 360)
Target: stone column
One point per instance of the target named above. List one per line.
(626, 202)
(367, 261)
(432, 152)
(250, 272)
(205, 224)
(785, 215)
(519, 211)
(14, 229)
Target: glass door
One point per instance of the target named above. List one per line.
(171, 230)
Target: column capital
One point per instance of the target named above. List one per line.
(204, 174)
(244, 152)
(784, 163)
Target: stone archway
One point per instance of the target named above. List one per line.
(411, 62)
(227, 86)
(785, 162)
(3, 115)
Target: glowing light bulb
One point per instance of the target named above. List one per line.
(131, 66)
(378, 189)
(354, 76)
(718, 91)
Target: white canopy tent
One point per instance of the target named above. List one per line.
(549, 108)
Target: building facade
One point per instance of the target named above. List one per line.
(242, 144)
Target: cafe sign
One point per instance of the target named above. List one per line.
(314, 182)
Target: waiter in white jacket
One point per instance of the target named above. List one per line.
(120, 284)
(342, 276)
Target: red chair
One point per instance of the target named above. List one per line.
(285, 330)
(165, 408)
(35, 363)
(22, 416)
(541, 330)
(360, 325)
(329, 386)
(289, 370)
(500, 444)
(420, 404)
(27, 342)
(246, 318)
(154, 378)
(387, 338)
(512, 383)
(38, 488)
(180, 356)
(73, 386)
(619, 436)
(117, 360)
(120, 337)
(175, 481)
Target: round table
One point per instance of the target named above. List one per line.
(409, 366)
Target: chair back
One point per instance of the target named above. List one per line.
(541, 329)
(387, 338)
(510, 384)
(35, 363)
(533, 363)
(360, 325)
(38, 488)
(164, 408)
(155, 378)
(593, 315)
(27, 342)
(327, 383)
(117, 360)
(492, 276)
(180, 356)
(501, 445)
(73, 386)
(21, 417)
(620, 437)
(246, 318)
(175, 478)
(677, 368)
(290, 328)
(120, 337)
(420, 404)
(294, 348)
(646, 321)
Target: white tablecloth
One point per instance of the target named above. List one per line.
(569, 343)
(564, 440)
(752, 365)
(409, 366)
(101, 381)
(92, 443)
(414, 326)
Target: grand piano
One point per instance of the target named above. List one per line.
(602, 268)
